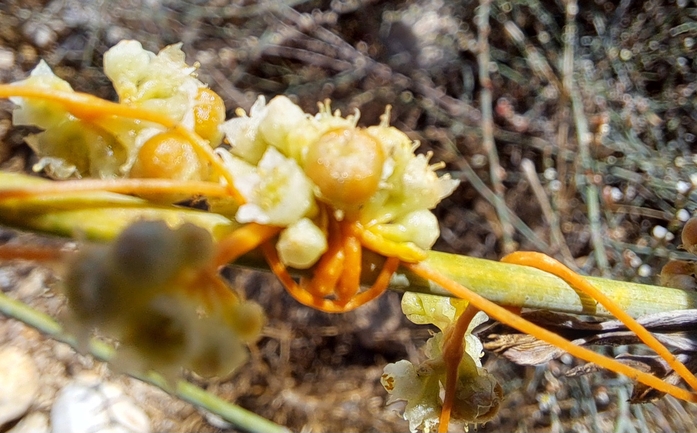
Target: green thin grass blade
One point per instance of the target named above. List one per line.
(234, 414)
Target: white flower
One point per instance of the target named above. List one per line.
(102, 145)
(69, 146)
(283, 117)
(441, 311)
(477, 393)
(162, 82)
(420, 389)
(243, 133)
(422, 186)
(277, 194)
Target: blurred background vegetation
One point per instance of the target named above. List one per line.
(572, 127)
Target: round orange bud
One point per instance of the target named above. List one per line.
(679, 274)
(346, 165)
(168, 156)
(689, 235)
(209, 114)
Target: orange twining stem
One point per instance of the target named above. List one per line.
(86, 106)
(206, 284)
(379, 286)
(330, 267)
(123, 186)
(242, 241)
(504, 316)
(548, 264)
(350, 279)
(453, 350)
(322, 304)
(20, 252)
(326, 273)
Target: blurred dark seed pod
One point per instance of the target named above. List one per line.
(679, 274)
(161, 335)
(145, 255)
(91, 293)
(689, 235)
(247, 320)
(218, 352)
(196, 245)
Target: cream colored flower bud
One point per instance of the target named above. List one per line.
(420, 227)
(301, 244)
(126, 64)
(282, 117)
(243, 133)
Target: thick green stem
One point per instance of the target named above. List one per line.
(103, 215)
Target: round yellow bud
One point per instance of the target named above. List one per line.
(209, 114)
(346, 164)
(168, 156)
(689, 235)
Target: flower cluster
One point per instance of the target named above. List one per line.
(101, 145)
(477, 393)
(142, 290)
(290, 165)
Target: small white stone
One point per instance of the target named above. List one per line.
(7, 59)
(683, 215)
(126, 414)
(550, 173)
(682, 187)
(659, 232)
(216, 421)
(84, 407)
(644, 270)
(78, 409)
(19, 383)
(33, 285)
(616, 194)
(35, 422)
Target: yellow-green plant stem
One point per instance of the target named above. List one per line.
(236, 415)
(99, 216)
(102, 216)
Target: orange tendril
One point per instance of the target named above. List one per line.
(350, 279)
(453, 350)
(123, 186)
(242, 241)
(320, 303)
(548, 264)
(501, 314)
(87, 107)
